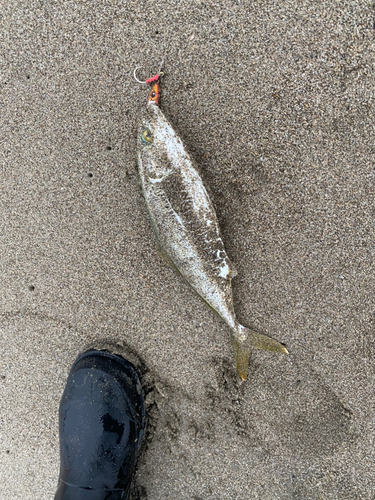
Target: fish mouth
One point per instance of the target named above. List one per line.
(151, 105)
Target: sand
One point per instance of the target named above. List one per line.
(275, 101)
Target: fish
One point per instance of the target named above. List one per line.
(186, 226)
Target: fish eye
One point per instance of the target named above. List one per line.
(146, 137)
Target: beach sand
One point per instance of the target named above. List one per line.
(275, 101)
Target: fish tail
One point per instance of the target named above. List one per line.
(244, 340)
(242, 354)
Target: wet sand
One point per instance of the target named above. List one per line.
(275, 101)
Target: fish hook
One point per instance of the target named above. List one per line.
(153, 78)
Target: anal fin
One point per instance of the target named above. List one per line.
(164, 256)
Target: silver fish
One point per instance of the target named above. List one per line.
(186, 225)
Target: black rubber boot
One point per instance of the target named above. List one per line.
(102, 420)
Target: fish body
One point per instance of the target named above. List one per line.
(186, 225)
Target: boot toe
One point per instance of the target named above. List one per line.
(102, 420)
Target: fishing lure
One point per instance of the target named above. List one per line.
(186, 225)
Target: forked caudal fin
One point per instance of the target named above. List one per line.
(244, 340)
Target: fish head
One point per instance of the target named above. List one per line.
(146, 137)
(152, 143)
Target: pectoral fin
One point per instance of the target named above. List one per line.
(232, 271)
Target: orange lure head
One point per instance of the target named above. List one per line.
(154, 94)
